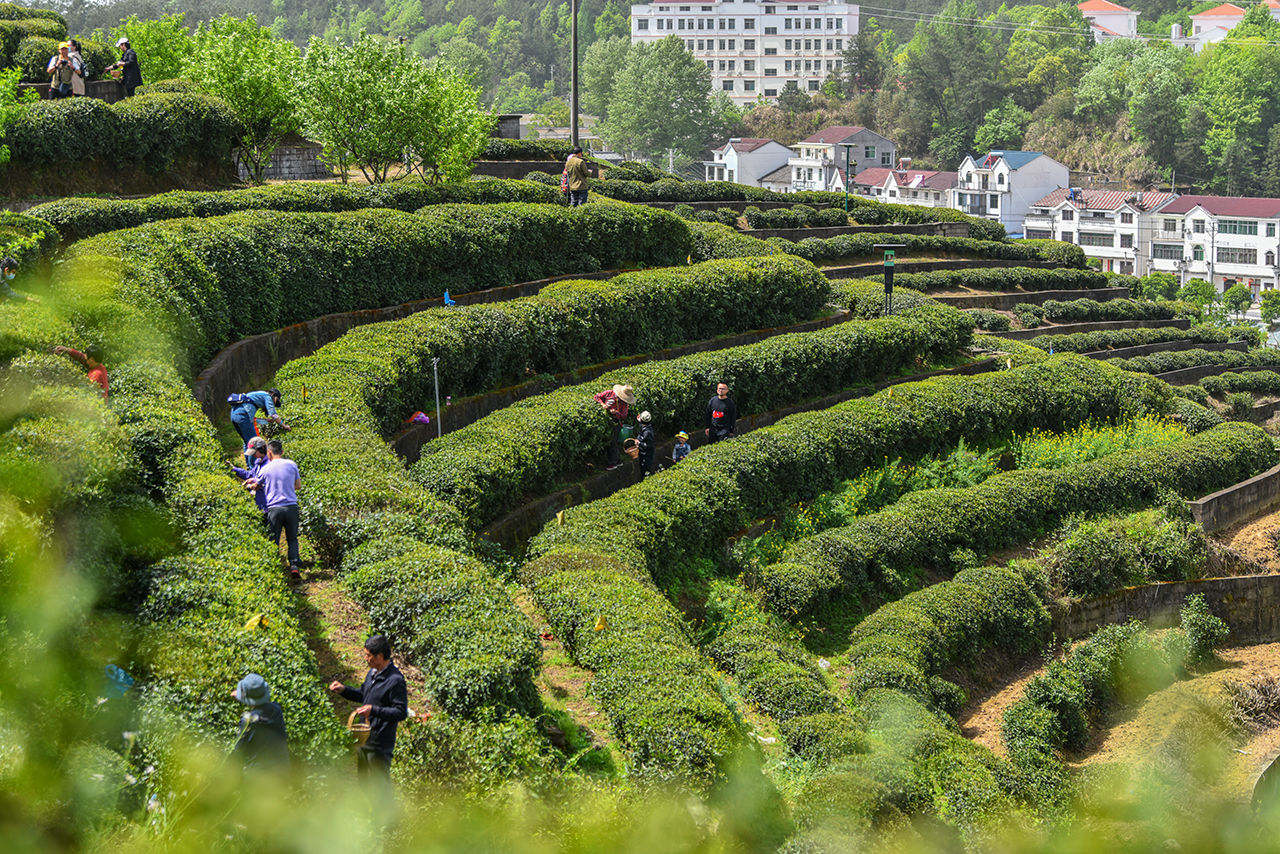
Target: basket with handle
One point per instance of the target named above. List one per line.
(359, 730)
(631, 448)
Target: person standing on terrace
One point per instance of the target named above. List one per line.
(722, 415)
(384, 700)
(617, 402)
(131, 72)
(575, 169)
(280, 481)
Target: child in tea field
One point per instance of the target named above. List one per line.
(681, 449)
(648, 443)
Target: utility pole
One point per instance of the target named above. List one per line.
(573, 74)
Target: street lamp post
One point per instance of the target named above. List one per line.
(573, 75)
(846, 178)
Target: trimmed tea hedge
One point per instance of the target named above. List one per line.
(865, 298)
(1158, 363)
(78, 218)
(1084, 310)
(690, 510)
(991, 321)
(888, 552)
(28, 239)
(1001, 279)
(662, 701)
(206, 282)
(155, 132)
(486, 467)
(1111, 339)
(1255, 382)
(526, 149)
(454, 619)
(910, 643)
(800, 216)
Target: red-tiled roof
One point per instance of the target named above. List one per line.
(1100, 6)
(1227, 206)
(1106, 200)
(1226, 10)
(747, 144)
(836, 133)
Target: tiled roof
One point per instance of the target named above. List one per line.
(1226, 10)
(1106, 200)
(1015, 159)
(1100, 6)
(834, 134)
(1227, 206)
(781, 175)
(747, 144)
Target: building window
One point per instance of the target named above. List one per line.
(1126, 241)
(731, 64)
(771, 72)
(771, 93)
(786, 23)
(786, 65)
(808, 65)
(1271, 259)
(1067, 237)
(722, 65)
(701, 44)
(722, 44)
(748, 44)
(1000, 180)
(661, 24)
(1094, 238)
(786, 44)
(839, 44)
(869, 152)
(732, 43)
(770, 10)
(726, 85)
(1238, 226)
(1126, 218)
(1169, 226)
(688, 43)
(808, 24)
(680, 24)
(771, 31)
(1167, 251)
(839, 25)
(1271, 229)
(1197, 226)
(994, 202)
(748, 23)
(829, 44)
(732, 22)
(1033, 234)
(749, 85)
(1235, 255)
(828, 65)
(1197, 252)
(813, 85)
(748, 65)
(886, 159)
(642, 23)
(1068, 215)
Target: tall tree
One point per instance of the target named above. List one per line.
(660, 102)
(865, 61)
(1046, 54)
(600, 66)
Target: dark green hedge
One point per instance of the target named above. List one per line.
(207, 282)
(1111, 339)
(1084, 310)
(946, 627)
(885, 553)
(689, 511)
(28, 239)
(526, 149)
(1158, 363)
(154, 132)
(1002, 279)
(22, 24)
(486, 467)
(78, 218)
(800, 216)
(662, 701)
(1255, 382)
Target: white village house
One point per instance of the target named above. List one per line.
(904, 185)
(1113, 227)
(1004, 185)
(1109, 20)
(746, 160)
(1227, 240)
(819, 160)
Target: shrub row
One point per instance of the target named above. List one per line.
(158, 133)
(78, 218)
(28, 239)
(206, 282)
(1255, 382)
(454, 619)
(662, 701)
(690, 510)
(865, 298)
(1114, 666)
(778, 677)
(1158, 363)
(526, 149)
(1002, 279)
(1084, 310)
(887, 552)
(20, 24)
(800, 216)
(636, 170)
(991, 321)
(910, 643)
(486, 467)
(1112, 339)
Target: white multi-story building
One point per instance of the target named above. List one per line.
(746, 161)
(754, 48)
(1004, 185)
(1227, 240)
(1209, 26)
(905, 186)
(1109, 20)
(1114, 227)
(819, 161)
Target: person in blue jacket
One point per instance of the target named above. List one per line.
(244, 412)
(385, 702)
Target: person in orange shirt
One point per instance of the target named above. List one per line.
(91, 358)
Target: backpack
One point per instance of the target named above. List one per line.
(564, 180)
(236, 399)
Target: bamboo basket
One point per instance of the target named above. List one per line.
(359, 730)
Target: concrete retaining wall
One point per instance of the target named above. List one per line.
(1165, 347)
(408, 444)
(1187, 376)
(1096, 326)
(1238, 502)
(299, 161)
(1248, 604)
(1006, 301)
(108, 90)
(737, 206)
(907, 265)
(257, 358)
(937, 229)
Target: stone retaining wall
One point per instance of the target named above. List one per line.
(1094, 326)
(907, 265)
(296, 162)
(258, 357)
(936, 229)
(408, 444)
(1188, 376)
(737, 206)
(1226, 507)
(1165, 347)
(1006, 301)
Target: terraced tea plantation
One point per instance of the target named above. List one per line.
(964, 576)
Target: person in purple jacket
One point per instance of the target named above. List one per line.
(279, 482)
(256, 451)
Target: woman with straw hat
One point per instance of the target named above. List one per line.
(617, 403)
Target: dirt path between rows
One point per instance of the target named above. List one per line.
(1255, 539)
(981, 720)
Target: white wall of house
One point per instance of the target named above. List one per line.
(1002, 192)
(746, 167)
(1118, 238)
(1225, 250)
(818, 165)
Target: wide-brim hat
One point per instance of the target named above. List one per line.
(625, 393)
(253, 690)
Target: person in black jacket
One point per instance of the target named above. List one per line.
(722, 415)
(263, 741)
(385, 702)
(131, 74)
(648, 443)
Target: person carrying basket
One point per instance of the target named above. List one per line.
(385, 702)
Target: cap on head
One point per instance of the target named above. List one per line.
(644, 417)
(577, 149)
(257, 443)
(253, 690)
(94, 352)
(65, 46)
(123, 41)
(682, 435)
(276, 395)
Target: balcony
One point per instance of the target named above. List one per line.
(979, 210)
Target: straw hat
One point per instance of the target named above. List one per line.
(625, 393)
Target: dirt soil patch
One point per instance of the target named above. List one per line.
(980, 721)
(1255, 539)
